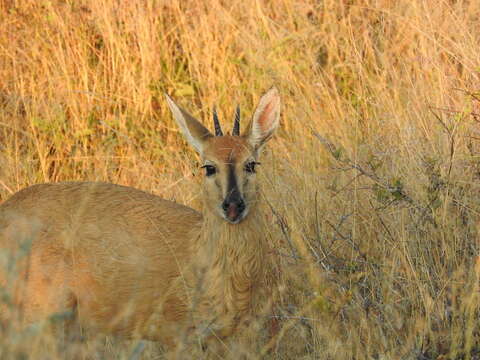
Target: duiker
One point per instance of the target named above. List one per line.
(130, 263)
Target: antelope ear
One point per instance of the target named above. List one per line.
(192, 129)
(265, 119)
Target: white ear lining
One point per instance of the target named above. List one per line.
(258, 136)
(179, 117)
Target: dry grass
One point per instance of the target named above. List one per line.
(377, 161)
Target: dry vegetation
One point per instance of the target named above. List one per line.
(372, 182)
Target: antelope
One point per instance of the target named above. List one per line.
(130, 263)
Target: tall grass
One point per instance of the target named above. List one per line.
(372, 181)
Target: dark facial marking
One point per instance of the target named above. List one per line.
(232, 188)
(233, 205)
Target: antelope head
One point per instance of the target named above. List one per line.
(230, 161)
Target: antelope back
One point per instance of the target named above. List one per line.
(120, 258)
(104, 251)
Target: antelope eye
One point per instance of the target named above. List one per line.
(250, 166)
(209, 170)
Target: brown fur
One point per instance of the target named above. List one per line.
(130, 263)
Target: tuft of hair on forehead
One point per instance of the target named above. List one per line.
(227, 148)
(264, 123)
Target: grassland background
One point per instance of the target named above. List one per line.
(373, 178)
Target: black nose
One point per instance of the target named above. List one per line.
(233, 208)
(240, 204)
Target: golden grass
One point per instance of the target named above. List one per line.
(372, 180)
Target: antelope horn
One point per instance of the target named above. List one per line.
(216, 123)
(236, 124)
